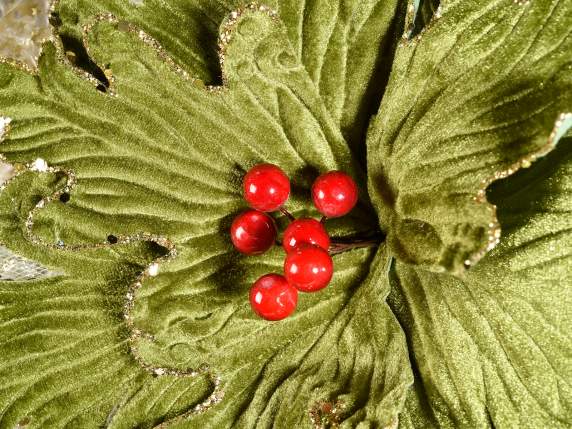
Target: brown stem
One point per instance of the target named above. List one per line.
(340, 245)
(286, 213)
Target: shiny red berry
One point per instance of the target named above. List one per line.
(253, 232)
(266, 187)
(305, 231)
(308, 268)
(272, 298)
(334, 193)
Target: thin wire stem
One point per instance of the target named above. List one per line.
(343, 245)
(286, 213)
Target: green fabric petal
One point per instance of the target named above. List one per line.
(341, 359)
(494, 349)
(160, 154)
(165, 147)
(65, 346)
(346, 46)
(471, 100)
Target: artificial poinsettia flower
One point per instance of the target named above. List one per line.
(129, 176)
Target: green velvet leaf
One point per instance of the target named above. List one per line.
(188, 30)
(342, 350)
(475, 97)
(346, 46)
(161, 154)
(494, 349)
(64, 344)
(65, 358)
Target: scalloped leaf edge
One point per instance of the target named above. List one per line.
(40, 166)
(561, 126)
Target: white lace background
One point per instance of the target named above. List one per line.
(23, 26)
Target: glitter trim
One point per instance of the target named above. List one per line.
(64, 59)
(41, 167)
(494, 233)
(326, 414)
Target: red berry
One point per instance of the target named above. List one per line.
(334, 193)
(253, 232)
(266, 187)
(305, 231)
(308, 268)
(272, 298)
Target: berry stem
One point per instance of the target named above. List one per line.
(340, 245)
(286, 213)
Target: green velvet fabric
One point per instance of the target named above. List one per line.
(494, 347)
(479, 92)
(345, 46)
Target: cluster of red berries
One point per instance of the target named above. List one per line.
(308, 266)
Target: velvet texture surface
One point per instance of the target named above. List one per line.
(149, 324)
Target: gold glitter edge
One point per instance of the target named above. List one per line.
(152, 270)
(494, 231)
(326, 414)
